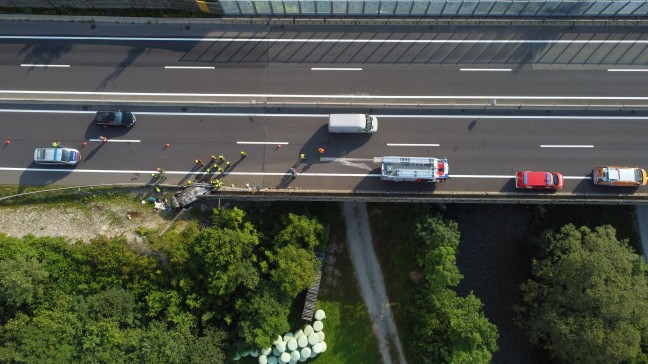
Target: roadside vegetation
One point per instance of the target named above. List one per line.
(437, 325)
(587, 301)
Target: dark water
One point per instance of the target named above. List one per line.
(495, 258)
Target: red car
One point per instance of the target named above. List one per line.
(538, 180)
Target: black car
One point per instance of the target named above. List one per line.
(115, 118)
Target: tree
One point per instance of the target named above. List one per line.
(447, 328)
(22, 281)
(588, 299)
(262, 317)
(302, 231)
(295, 269)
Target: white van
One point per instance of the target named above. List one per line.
(57, 156)
(352, 123)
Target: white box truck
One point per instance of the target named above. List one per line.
(352, 123)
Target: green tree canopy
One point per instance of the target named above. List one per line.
(447, 328)
(295, 269)
(588, 299)
(302, 231)
(262, 317)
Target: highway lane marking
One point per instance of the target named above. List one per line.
(436, 116)
(45, 65)
(191, 67)
(627, 70)
(565, 146)
(269, 143)
(411, 145)
(193, 173)
(323, 96)
(333, 40)
(117, 140)
(487, 69)
(335, 69)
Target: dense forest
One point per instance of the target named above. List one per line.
(194, 295)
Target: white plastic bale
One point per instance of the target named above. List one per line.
(254, 353)
(303, 341)
(317, 348)
(320, 315)
(294, 356)
(308, 330)
(320, 335)
(278, 340)
(305, 352)
(288, 336)
(285, 357)
(281, 347)
(318, 326)
(313, 339)
(301, 360)
(266, 351)
(276, 351)
(237, 356)
(313, 354)
(292, 345)
(323, 346)
(299, 334)
(272, 359)
(263, 359)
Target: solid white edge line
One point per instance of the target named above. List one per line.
(45, 65)
(337, 40)
(411, 145)
(565, 146)
(487, 69)
(112, 171)
(335, 69)
(117, 140)
(268, 143)
(155, 113)
(191, 67)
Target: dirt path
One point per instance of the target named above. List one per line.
(370, 279)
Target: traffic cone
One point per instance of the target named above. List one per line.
(84, 144)
(167, 145)
(7, 142)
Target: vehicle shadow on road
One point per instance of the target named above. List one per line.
(332, 146)
(38, 175)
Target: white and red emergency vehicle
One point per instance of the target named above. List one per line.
(414, 169)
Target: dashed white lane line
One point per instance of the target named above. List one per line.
(565, 146)
(334, 69)
(264, 143)
(411, 145)
(45, 65)
(627, 70)
(190, 67)
(486, 69)
(117, 140)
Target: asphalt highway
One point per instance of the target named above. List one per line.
(53, 77)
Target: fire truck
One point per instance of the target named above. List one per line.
(414, 169)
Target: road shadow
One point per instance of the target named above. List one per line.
(94, 131)
(332, 145)
(40, 175)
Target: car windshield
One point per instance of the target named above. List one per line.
(110, 116)
(555, 179)
(65, 155)
(369, 124)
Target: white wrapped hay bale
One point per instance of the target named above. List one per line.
(323, 346)
(317, 348)
(287, 336)
(294, 356)
(254, 353)
(313, 339)
(236, 356)
(305, 353)
(275, 351)
(266, 351)
(320, 336)
(298, 334)
(281, 347)
(278, 340)
(303, 341)
(320, 315)
(272, 359)
(308, 330)
(285, 357)
(292, 345)
(313, 354)
(263, 359)
(318, 326)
